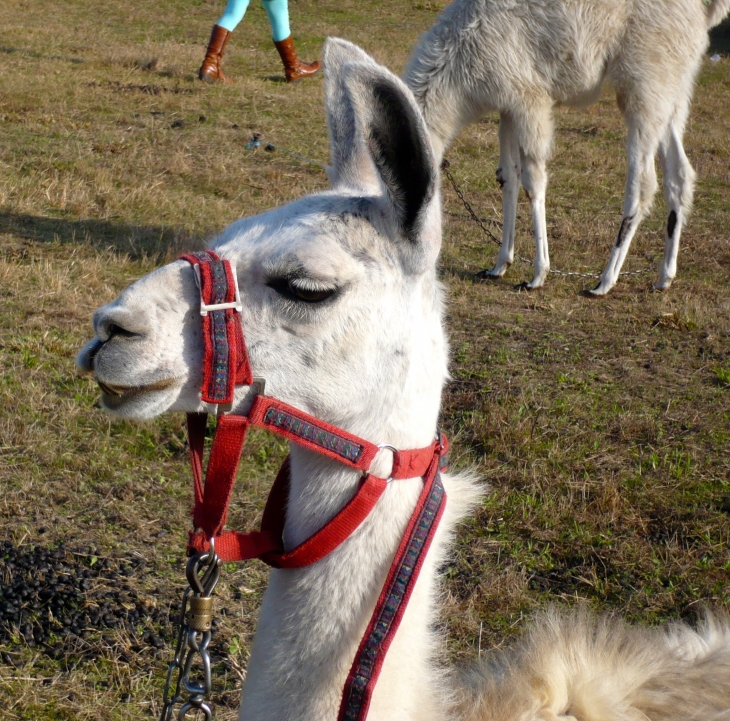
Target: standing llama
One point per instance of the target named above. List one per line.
(522, 57)
(343, 316)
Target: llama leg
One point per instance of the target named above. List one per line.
(534, 181)
(534, 129)
(508, 176)
(678, 177)
(640, 188)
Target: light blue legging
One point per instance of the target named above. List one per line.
(276, 10)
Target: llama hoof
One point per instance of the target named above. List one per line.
(594, 293)
(486, 274)
(526, 286)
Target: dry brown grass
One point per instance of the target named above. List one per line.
(602, 426)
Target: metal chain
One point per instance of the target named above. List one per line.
(194, 635)
(445, 164)
(445, 169)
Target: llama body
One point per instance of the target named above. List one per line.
(522, 57)
(582, 668)
(342, 312)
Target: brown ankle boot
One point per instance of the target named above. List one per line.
(211, 67)
(294, 68)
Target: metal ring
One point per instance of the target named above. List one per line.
(204, 585)
(394, 450)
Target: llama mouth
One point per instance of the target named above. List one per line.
(117, 392)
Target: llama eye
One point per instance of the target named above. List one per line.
(310, 295)
(301, 289)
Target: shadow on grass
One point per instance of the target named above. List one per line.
(448, 270)
(134, 240)
(720, 38)
(36, 55)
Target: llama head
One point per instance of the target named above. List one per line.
(341, 306)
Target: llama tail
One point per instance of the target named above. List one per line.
(575, 667)
(716, 12)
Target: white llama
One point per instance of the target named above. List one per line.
(342, 312)
(523, 57)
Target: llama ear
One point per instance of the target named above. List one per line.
(351, 162)
(391, 124)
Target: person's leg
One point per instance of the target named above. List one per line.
(278, 14)
(232, 15)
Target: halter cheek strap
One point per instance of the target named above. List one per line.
(226, 365)
(225, 360)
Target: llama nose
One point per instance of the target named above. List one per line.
(85, 358)
(114, 321)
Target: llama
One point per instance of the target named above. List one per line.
(343, 316)
(522, 57)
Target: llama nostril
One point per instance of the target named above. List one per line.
(121, 325)
(114, 329)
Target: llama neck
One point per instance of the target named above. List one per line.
(312, 619)
(442, 110)
(442, 102)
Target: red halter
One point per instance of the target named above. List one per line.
(226, 365)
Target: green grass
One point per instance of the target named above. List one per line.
(602, 427)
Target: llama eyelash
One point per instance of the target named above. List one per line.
(299, 290)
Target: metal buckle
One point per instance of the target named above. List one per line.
(220, 409)
(259, 383)
(236, 304)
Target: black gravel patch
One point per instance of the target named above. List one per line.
(76, 603)
(73, 605)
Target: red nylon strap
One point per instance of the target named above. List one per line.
(197, 423)
(235, 546)
(333, 442)
(394, 598)
(212, 498)
(267, 544)
(225, 362)
(333, 533)
(225, 455)
(244, 375)
(310, 432)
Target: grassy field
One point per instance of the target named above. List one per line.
(602, 426)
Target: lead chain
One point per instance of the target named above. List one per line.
(195, 623)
